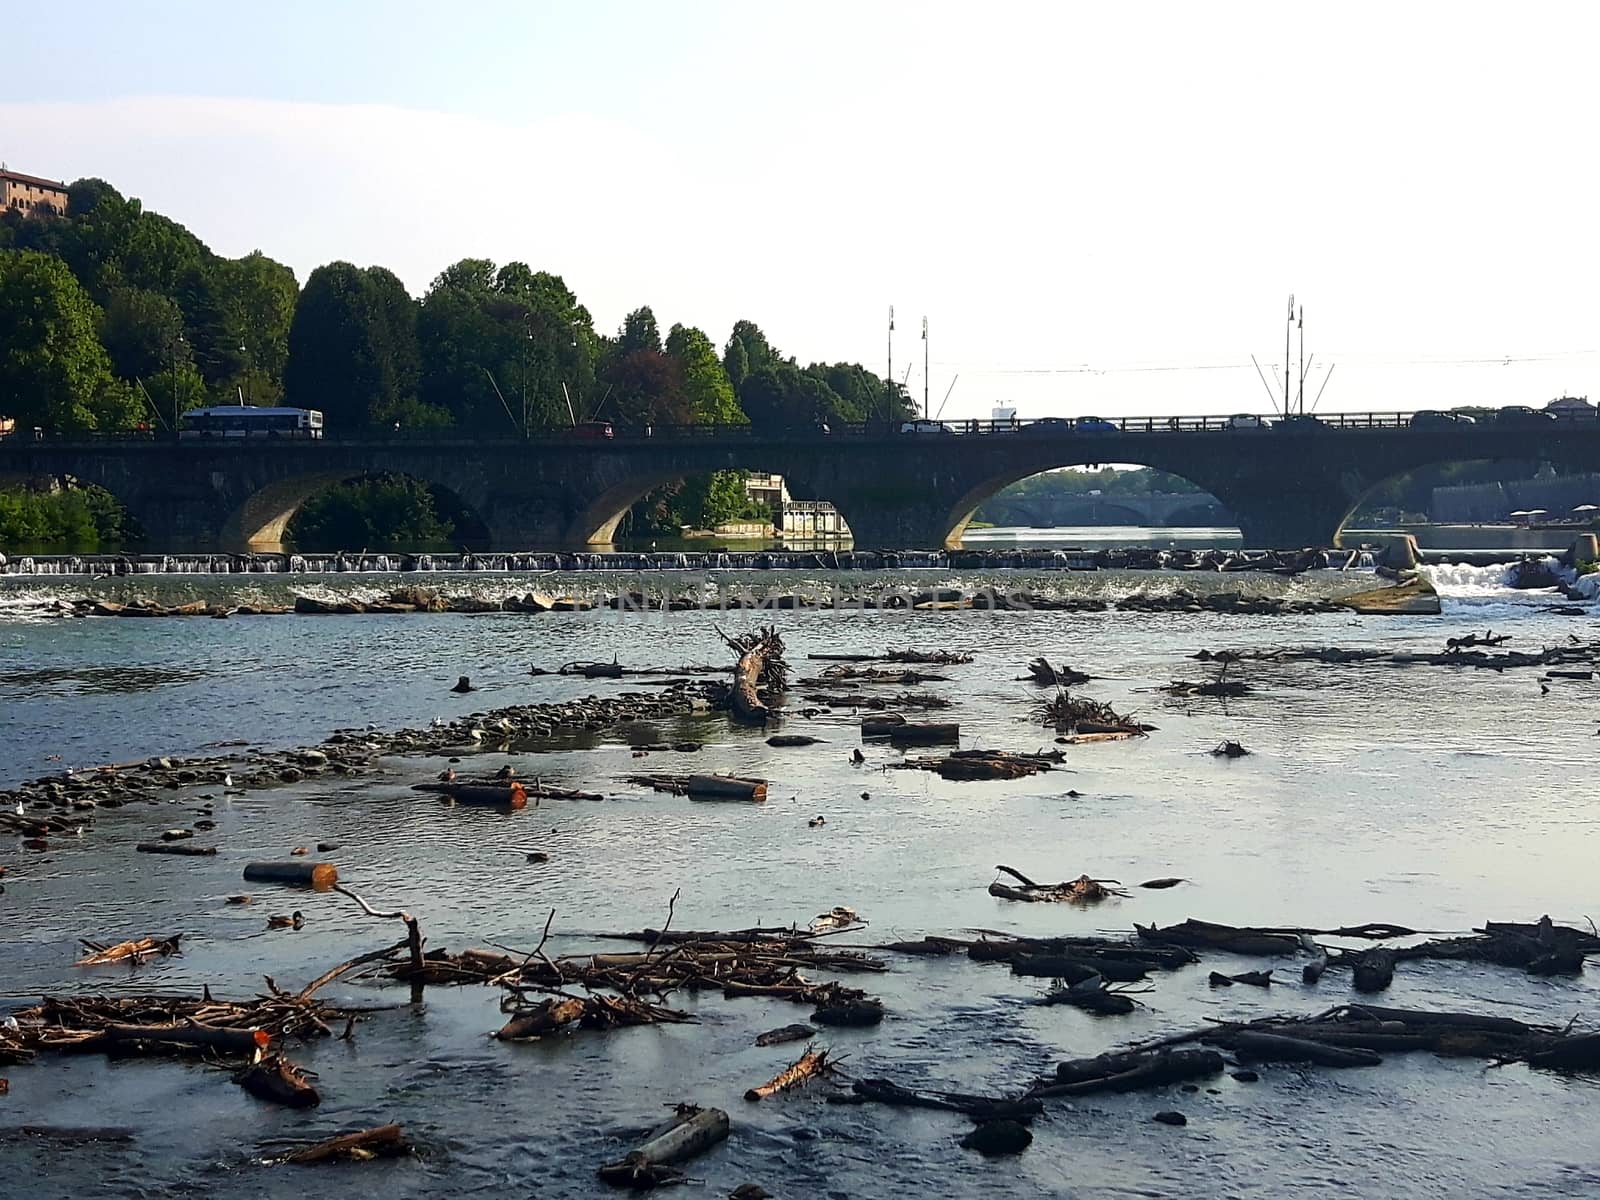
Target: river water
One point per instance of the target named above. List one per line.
(1418, 796)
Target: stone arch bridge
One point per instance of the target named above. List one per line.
(1288, 486)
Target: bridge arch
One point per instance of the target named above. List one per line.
(261, 522)
(960, 514)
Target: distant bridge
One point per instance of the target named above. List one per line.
(1147, 508)
(1290, 485)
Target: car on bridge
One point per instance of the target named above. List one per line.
(1093, 425)
(1432, 419)
(1520, 416)
(1245, 421)
(925, 426)
(1299, 423)
(1049, 425)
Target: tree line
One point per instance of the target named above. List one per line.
(116, 318)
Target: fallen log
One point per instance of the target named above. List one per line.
(984, 1108)
(1236, 940)
(278, 1081)
(807, 1066)
(317, 875)
(246, 1041)
(1130, 1071)
(183, 849)
(908, 734)
(542, 1020)
(134, 952)
(1373, 970)
(789, 1033)
(1082, 890)
(481, 795)
(783, 741)
(1271, 1047)
(725, 787)
(385, 1141)
(760, 659)
(1580, 1053)
(692, 1131)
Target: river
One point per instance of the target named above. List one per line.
(1431, 798)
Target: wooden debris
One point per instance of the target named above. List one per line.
(704, 787)
(278, 1081)
(132, 952)
(691, 1132)
(183, 849)
(992, 1138)
(909, 734)
(1042, 672)
(934, 658)
(809, 1065)
(1079, 716)
(967, 766)
(1129, 1071)
(511, 795)
(1168, 881)
(587, 1012)
(384, 1141)
(786, 740)
(984, 1108)
(319, 876)
(1082, 890)
(1229, 750)
(760, 662)
(789, 1033)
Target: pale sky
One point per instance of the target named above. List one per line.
(1101, 208)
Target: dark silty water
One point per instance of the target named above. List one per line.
(1423, 796)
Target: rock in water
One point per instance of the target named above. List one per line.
(999, 1137)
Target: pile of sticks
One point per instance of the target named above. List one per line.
(1082, 890)
(969, 765)
(163, 1026)
(924, 658)
(134, 952)
(1083, 718)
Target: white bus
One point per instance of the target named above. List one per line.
(243, 421)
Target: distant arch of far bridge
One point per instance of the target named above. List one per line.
(1286, 486)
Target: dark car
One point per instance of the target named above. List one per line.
(1093, 425)
(1299, 423)
(1520, 416)
(1048, 425)
(1433, 419)
(593, 430)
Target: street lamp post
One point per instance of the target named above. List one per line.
(177, 340)
(244, 353)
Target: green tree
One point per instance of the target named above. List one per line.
(352, 348)
(785, 397)
(142, 332)
(260, 299)
(504, 349)
(707, 391)
(752, 354)
(639, 332)
(171, 392)
(54, 373)
(387, 512)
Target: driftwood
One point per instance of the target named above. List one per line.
(132, 952)
(1045, 674)
(789, 1033)
(853, 676)
(1080, 716)
(1272, 1047)
(704, 787)
(692, 1131)
(1129, 1071)
(983, 1108)
(319, 876)
(809, 1065)
(1082, 890)
(1091, 994)
(760, 661)
(385, 1141)
(877, 702)
(934, 658)
(973, 765)
(278, 1081)
(184, 849)
(535, 790)
(510, 795)
(1204, 934)
(786, 740)
(586, 1012)
(908, 734)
